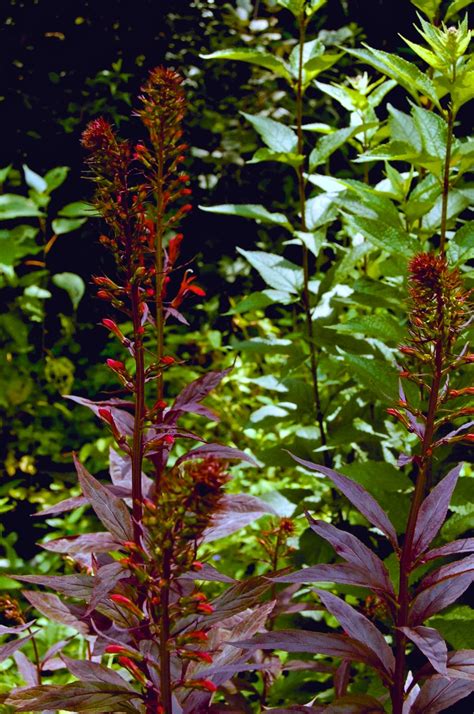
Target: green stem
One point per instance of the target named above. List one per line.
(306, 299)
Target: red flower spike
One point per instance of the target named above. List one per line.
(174, 247)
(134, 670)
(127, 604)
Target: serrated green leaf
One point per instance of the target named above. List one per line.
(426, 55)
(311, 49)
(278, 137)
(260, 58)
(16, 244)
(433, 131)
(378, 376)
(79, 209)
(34, 180)
(455, 7)
(456, 626)
(403, 128)
(55, 177)
(319, 210)
(4, 173)
(405, 73)
(277, 272)
(291, 159)
(254, 301)
(429, 7)
(391, 151)
(249, 210)
(328, 144)
(13, 206)
(373, 326)
(389, 238)
(66, 225)
(461, 246)
(457, 202)
(298, 7)
(35, 291)
(73, 284)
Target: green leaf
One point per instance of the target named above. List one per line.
(328, 144)
(79, 209)
(456, 626)
(319, 210)
(277, 137)
(277, 272)
(377, 476)
(4, 173)
(433, 131)
(267, 155)
(254, 301)
(461, 246)
(13, 206)
(429, 7)
(311, 50)
(16, 244)
(55, 177)
(405, 73)
(73, 284)
(389, 238)
(35, 291)
(378, 376)
(66, 225)
(249, 210)
(455, 7)
(260, 58)
(373, 326)
(457, 202)
(34, 180)
(403, 128)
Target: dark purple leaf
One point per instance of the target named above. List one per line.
(297, 708)
(105, 580)
(51, 653)
(56, 610)
(464, 545)
(26, 668)
(79, 586)
(216, 451)
(123, 419)
(87, 543)
(439, 693)
(333, 645)
(461, 664)
(358, 496)
(451, 570)
(236, 510)
(188, 400)
(452, 434)
(238, 598)
(342, 573)
(355, 704)
(16, 628)
(62, 506)
(120, 469)
(437, 597)
(8, 649)
(77, 697)
(111, 510)
(352, 549)
(432, 513)
(430, 642)
(359, 628)
(207, 573)
(88, 671)
(342, 678)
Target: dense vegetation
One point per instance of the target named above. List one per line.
(236, 387)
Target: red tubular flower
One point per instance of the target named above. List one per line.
(185, 288)
(174, 247)
(127, 604)
(115, 365)
(106, 415)
(134, 670)
(204, 684)
(167, 359)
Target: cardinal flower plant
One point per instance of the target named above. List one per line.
(136, 601)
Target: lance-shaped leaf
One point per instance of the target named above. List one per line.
(359, 628)
(463, 545)
(207, 573)
(432, 513)
(16, 628)
(439, 693)
(190, 398)
(430, 642)
(216, 451)
(79, 586)
(333, 645)
(113, 513)
(352, 549)
(238, 598)
(77, 697)
(277, 272)
(254, 211)
(342, 573)
(437, 597)
(120, 469)
(461, 664)
(451, 570)
(26, 668)
(236, 510)
(277, 136)
(105, 580)
(68, 504)
(119, 408)
(358, 496)
(86, 543)
(88, 671)
(257, 57)
(8, 649)
(56, 610)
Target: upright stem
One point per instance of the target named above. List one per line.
(137, 446)
(302, 204)
(160, 322)
(406, 560)
(165, 665)
(445, 194)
